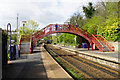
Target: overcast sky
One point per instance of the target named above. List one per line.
(43, 12)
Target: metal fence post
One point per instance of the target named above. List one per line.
(10, 37)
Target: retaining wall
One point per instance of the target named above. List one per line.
(25, 47)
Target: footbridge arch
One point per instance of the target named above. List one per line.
(98, 40)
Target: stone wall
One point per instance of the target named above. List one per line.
(116, 45)
(25, 47)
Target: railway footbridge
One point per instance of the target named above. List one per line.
(100, 42)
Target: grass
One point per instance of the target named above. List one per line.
(84, 61)
(71, 71)
(8, 56)
(74, 74)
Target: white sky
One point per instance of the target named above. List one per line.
(43, 12)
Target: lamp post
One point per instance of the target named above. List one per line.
(17, 39)
(23, 26)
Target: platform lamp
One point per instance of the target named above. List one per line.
(23, 25)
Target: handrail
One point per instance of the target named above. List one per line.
(109, 46)
(106, 41)
(35, 35)
(63, 28)
(85, 30)
(97, 40)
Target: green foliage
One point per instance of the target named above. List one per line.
(105, 21)
(79, 41)
(110, 32)
(45, 38)
(29, 28)
(67, 39)
(76, 18)
(108, 27)
(14, 37)
(89, 11)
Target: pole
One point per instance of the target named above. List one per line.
(23, 28)
(10, 37)
(17, 39)
(75, 41)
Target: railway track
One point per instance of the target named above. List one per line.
(79, 65)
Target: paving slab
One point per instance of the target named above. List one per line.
(113, 56)
(38, 65)
(53, 69)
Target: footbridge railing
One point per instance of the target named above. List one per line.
(62, 28)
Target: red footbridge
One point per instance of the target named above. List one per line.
(100, 42)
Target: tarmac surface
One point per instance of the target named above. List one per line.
(38, 65)
(41, 66)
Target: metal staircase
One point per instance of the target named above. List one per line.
(105, 47)
(106, 44)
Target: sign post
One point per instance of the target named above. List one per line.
(9, 25)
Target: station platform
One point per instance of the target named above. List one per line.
(36, 66)
(111, 56)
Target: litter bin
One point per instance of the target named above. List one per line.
(84, 45)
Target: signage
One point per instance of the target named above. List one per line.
(12, 33)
